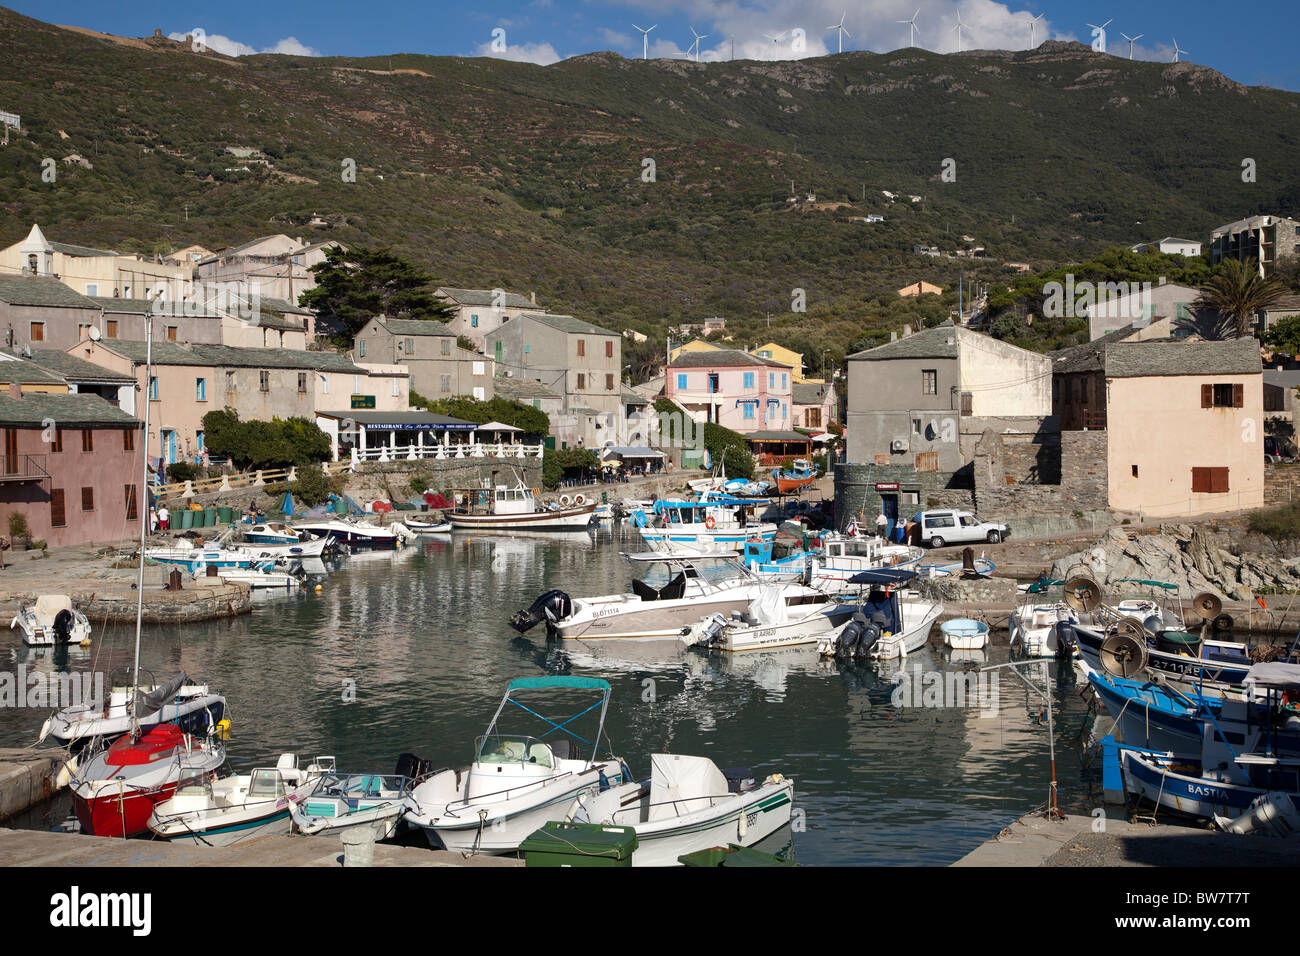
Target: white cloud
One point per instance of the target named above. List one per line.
(224, 44)
(543, 54)
(614, 38)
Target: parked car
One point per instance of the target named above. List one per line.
(947, 526)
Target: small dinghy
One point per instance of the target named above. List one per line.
(338, 802)
(420, 526)
(688, 804)
(768, 623)
(224, 811)
(964, 634)
(51, 620)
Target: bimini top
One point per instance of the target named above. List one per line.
(883, 576)
(1273, 674)
(545, 683)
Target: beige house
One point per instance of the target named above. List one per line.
(96, 272)
(581, 361)
(439, 368)
(480, 311)
(1185, 427)
(919, 288)
(276, 266)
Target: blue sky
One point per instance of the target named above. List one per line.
(1253, 44)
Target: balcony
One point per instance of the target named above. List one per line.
(22, 469)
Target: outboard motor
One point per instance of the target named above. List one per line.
(552, 606)
(739, 779)
(714, 625)
(63, 626)
(1065, 639)
(849, 637)
(412, 767)
(871, 633)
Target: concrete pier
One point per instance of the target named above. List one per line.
(27, 778)
(38, 848)
(1080, 840)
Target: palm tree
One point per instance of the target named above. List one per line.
(1238, 293)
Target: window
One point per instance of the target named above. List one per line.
(749, 381)
(128, 493)
(812, 418)
(582, 347)
(785, 410)
(527, 349)
(966, 403)
(361, 349)
(356, 384)
(681, 381)
(111, 331)
(609, 350)
(395, 388)
(537, 403)
(478, 368)
(410, 346)
(609, 383)
(1210, 480)
(446, 346)
(200, 389)
(1135, 471)
(771, 380)
(499, 350)
(785, 376)
(1224, 395)
(83, 331)
(153, 388)
(230, 381)
(198, 438)
(582, 381)
(57, 444)
(38, 331)
(302, 383)
(446, 383)
(264, 380)
(128, 439)
(87, 439)
(480, 392)
(87, 499)
(749, 410)
(92, 288)
(929, 381)
(58, 513)
(171, 333)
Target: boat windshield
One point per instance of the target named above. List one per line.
(508, 749)
(194, 783)
(659, 574)
(266, 783)
(360, 784)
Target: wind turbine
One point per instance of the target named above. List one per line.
(912, 23)
(958, 28)
(1176, 50)
(1033, 24)
(842, 32)
(645, 41)
(696, 44)
(1131, 41)
(775, 39)
(1101, 31)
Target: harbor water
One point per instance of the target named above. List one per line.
(410, 652)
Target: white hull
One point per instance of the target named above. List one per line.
(805, 629)
(566, 519)
(918, 618)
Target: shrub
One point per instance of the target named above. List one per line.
(1280, 523)
(419, 485)
(312, 486)
(182, 471)
(18, 526)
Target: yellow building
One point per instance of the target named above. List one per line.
(96, 272)
(920, 288)
(779, 353)
(694, 345)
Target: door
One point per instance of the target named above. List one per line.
(169, 441)
(11, 451)
(889, 505)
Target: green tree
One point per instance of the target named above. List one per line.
(1237, 292)
(1284, 335)
(534, 422)
(353, 287)
(558, 463)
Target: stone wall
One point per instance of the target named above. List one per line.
(856, 495)
(1281, 484)
(1080, 465)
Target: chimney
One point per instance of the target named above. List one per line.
(15, 390)
(532, 297)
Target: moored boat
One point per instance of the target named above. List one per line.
(52, 619)
(515, 509)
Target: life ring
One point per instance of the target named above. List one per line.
(638, 518)
(564, 501)
(710, 523)
(579, 500)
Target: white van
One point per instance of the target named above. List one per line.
(947, 526)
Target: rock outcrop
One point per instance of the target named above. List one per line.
(1192, 558)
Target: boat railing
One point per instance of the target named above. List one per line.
(464, 803)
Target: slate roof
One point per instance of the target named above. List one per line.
(228, 356)
(487, 298)
(145, 306)
(40, 291)
(74, 369)
(416, 327)
(776, 436)
(566, 323)
(939, 342)
(729, 358)
(521, 389)
(1088, 357)
(69, 411)
(809, 393)
(85, 252)
(1142, 359)
(18, 371)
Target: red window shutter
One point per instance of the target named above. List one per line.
(1238, 396)
(1207, 396)
(1219, 480)
(58, 517)
(1200, 480)
(131, 513)
(87, 499)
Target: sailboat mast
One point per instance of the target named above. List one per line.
(144, 510)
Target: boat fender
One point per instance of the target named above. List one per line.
(604, 781)
(564, 501)
(638, 518)
(579, 499)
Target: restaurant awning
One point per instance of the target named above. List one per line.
(400, 421)
(498, 427)
(630, 451)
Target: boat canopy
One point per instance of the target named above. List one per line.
(1151, 584)
(1274, 674)
(883, 576)
(543, 683)
(1038, 587)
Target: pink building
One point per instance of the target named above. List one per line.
(734, 389)
(71, 464)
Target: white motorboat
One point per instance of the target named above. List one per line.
(516, 783)
(338, 802)
(352, 534)
(265, 576)
(515, 509)
(197, 560)
(1033, 624)
(51, 620)
(891, 621)
(195, 706)
(688, 804)
(713, 523)
(275, 532)
(964, 634)
(425, 526)
(670, 593)
(223, 811)
(768, 623)
(840, 558)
